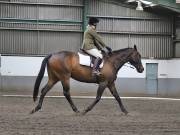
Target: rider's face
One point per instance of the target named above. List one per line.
(94, 26)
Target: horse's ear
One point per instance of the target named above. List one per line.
(135, 48)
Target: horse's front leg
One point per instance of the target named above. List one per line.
(114, 92)
(100, 91)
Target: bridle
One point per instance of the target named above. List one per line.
(128, 64)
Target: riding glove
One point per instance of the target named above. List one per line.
(109, 49)
(105, 50)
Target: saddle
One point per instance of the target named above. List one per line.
(87, 59)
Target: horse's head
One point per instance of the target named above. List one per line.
(135, 60)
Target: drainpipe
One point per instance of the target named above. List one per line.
(173, 36)
(85, 12)
(0, 75)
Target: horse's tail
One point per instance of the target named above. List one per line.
(40, 76)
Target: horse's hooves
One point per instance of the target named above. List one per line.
(83, 113)
(77, 114)
(125, 112)
(33, 111)
(34, 99)
(80, 113)
(77, 111)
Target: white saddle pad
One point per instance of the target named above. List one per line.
(85, 60)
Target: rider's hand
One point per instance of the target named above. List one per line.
(109, 49)
(105, 50)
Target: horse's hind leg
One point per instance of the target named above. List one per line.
(114, 92)
(66, 91)
(44, 91)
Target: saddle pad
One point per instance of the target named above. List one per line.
(85, 60)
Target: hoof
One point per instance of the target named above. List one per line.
(78, 114)
(33, 111)
(125, 112)
(34, 99)
(37, 108)
(76, 111)
(83, 113)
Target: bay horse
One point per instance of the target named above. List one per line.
(62, 66)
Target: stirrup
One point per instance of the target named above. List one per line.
(96, 72)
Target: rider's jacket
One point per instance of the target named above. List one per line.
(92, 40)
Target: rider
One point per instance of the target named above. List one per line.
(93, 44)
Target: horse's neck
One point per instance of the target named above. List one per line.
(120, 58)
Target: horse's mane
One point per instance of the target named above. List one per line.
(120, 50)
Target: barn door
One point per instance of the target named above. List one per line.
(152, 78)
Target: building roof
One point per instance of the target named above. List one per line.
(168, 4)
(165, 5)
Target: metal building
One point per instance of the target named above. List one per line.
(38, 27)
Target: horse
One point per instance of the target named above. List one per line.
(61, 66)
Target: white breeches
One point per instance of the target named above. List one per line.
(95, 52)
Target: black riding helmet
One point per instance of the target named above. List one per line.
(93, 21)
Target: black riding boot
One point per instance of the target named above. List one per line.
(97, 62)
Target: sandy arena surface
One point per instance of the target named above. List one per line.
(146, 117)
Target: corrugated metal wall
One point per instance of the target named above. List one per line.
(123, 27)
(37, 27)
(177, 37)
(178, 27)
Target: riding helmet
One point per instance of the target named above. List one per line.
(93, 21)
